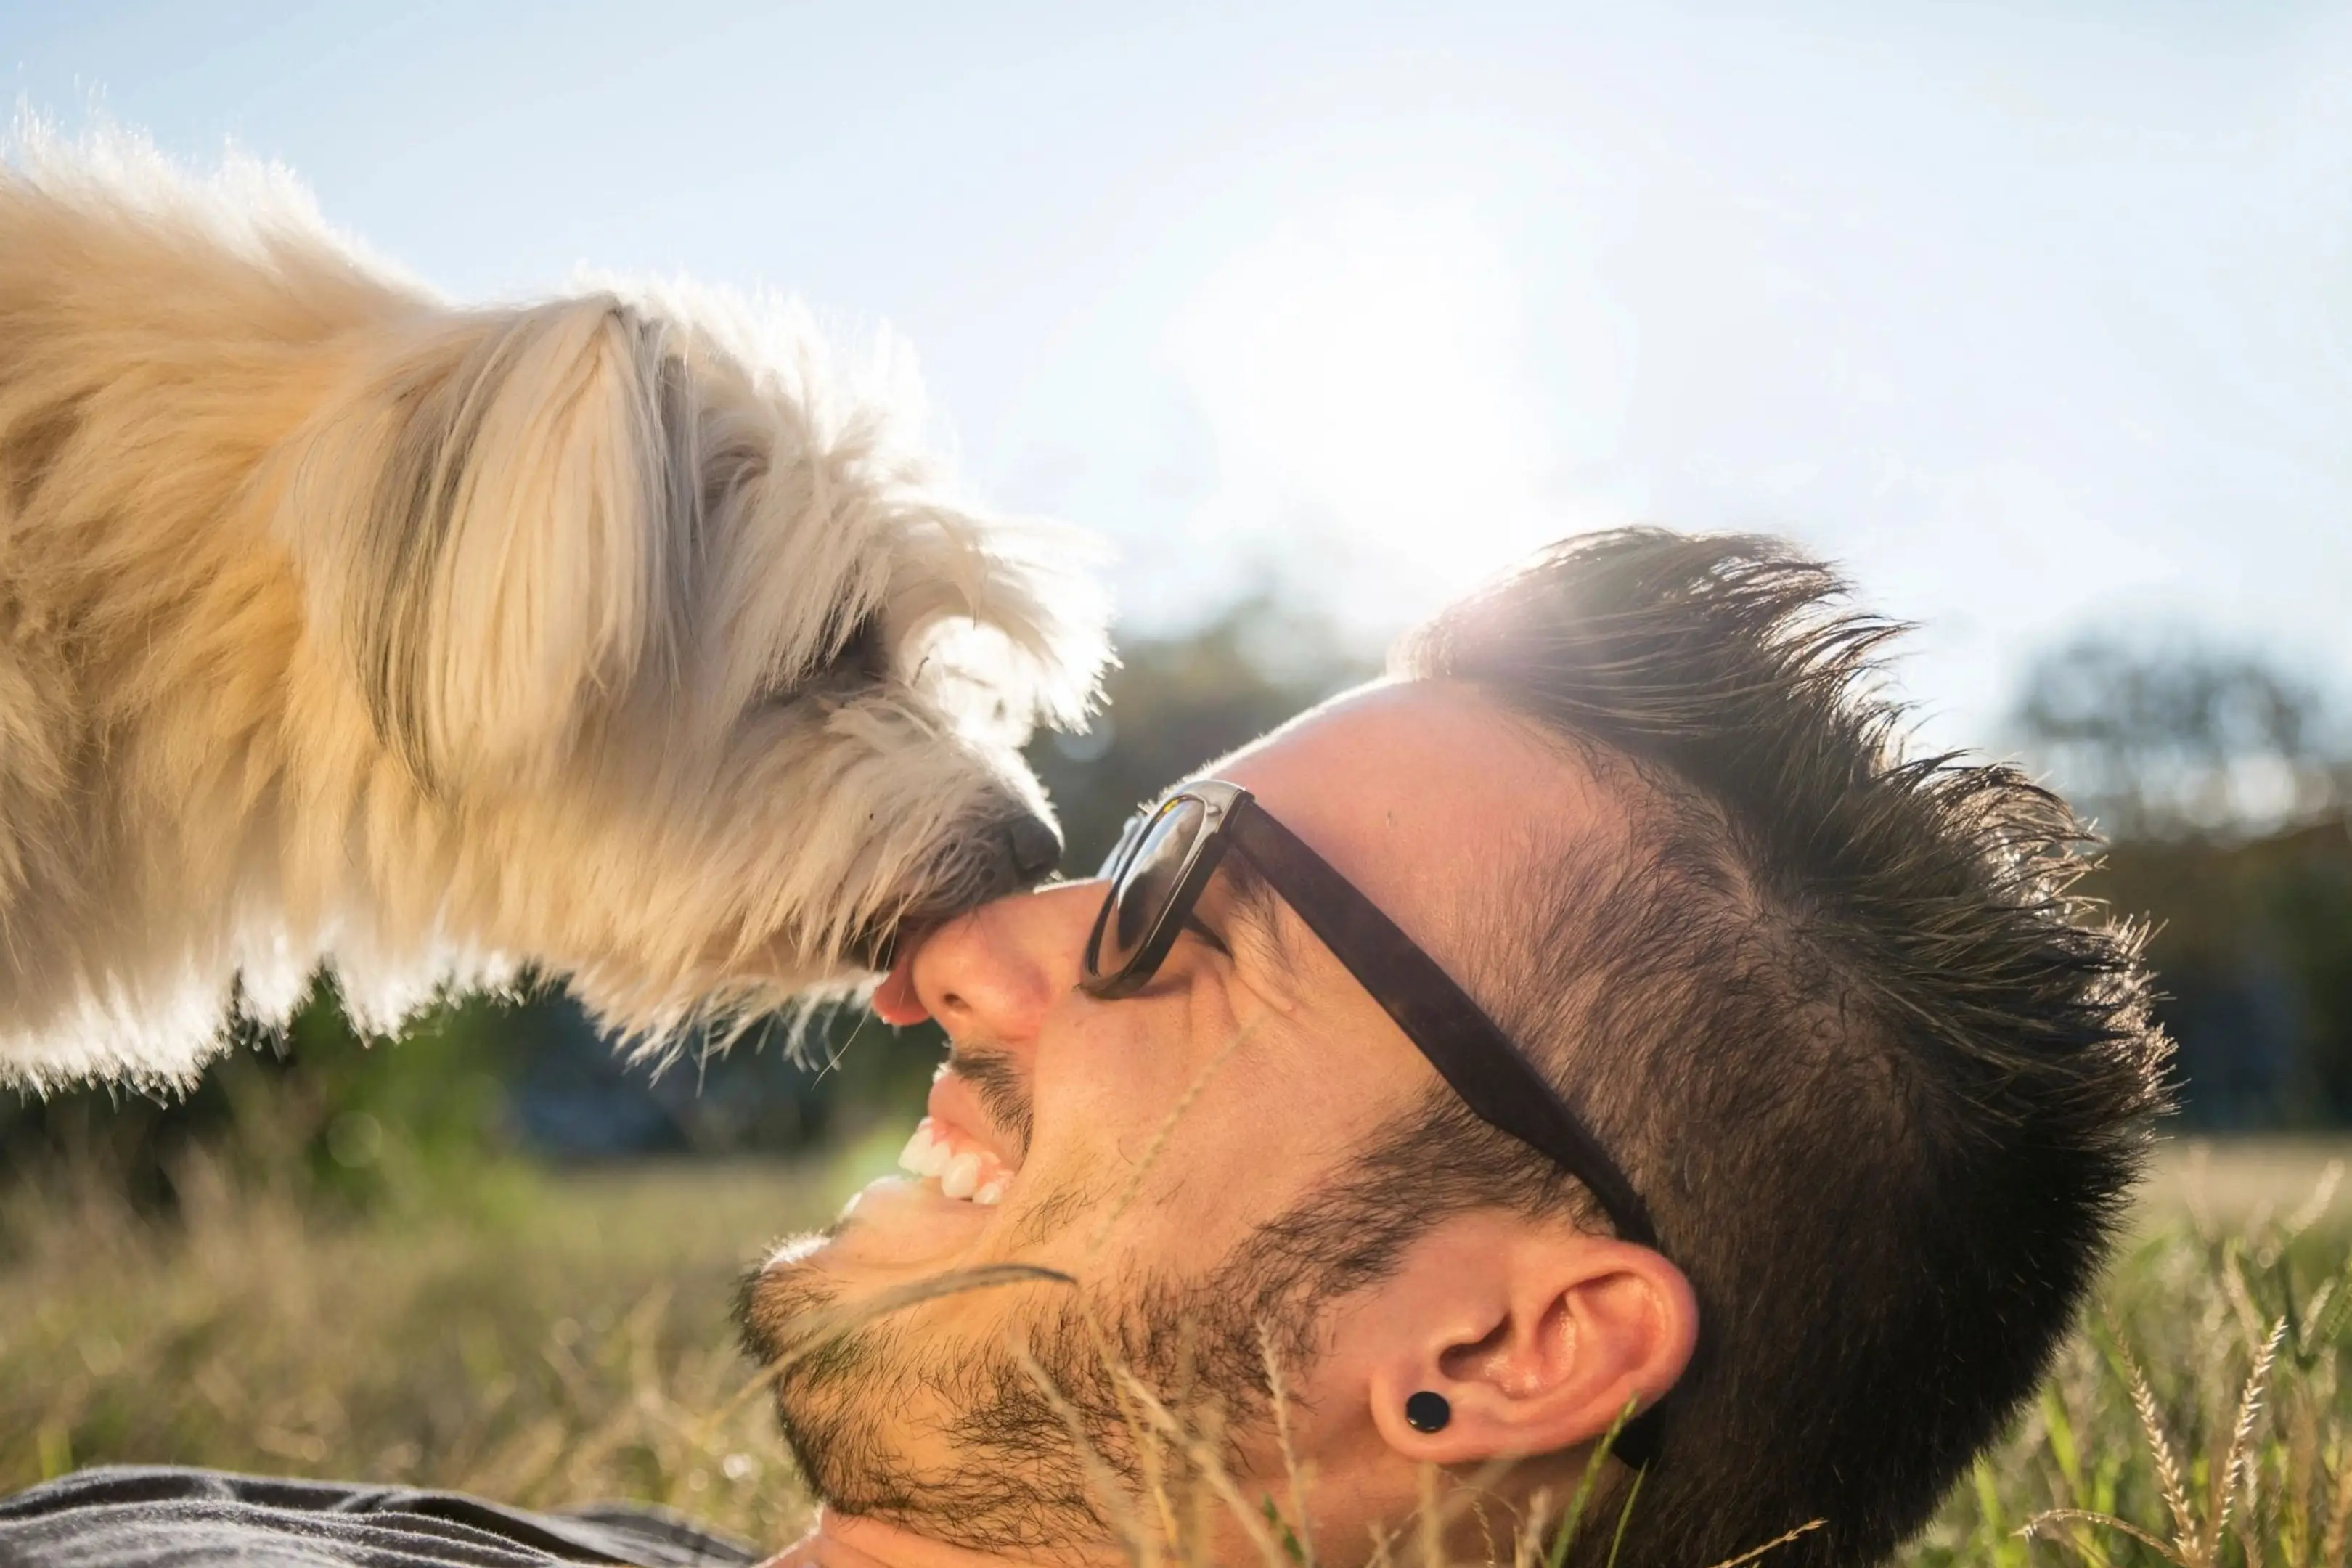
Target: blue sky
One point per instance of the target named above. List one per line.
(2034, 316)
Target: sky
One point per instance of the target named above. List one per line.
(2032, 316)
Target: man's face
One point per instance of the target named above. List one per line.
(1189, 1155)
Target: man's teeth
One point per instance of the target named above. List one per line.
(962, 1178)
(969, 1174)
(924, 1155)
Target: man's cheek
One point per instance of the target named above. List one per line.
(1061, 1207)
(1186, 1220)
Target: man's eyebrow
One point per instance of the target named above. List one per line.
(1252, 904)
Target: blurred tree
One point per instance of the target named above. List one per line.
(1178, 702)
(2166, 735)
(2252, 943)
(2221, 784)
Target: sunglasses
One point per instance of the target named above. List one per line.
(1164, 861)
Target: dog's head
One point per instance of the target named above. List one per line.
(684, 674)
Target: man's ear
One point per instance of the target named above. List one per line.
(484, 518)
(1537, 1338)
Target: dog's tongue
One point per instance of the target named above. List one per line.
(894, 1002)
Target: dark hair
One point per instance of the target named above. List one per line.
(1883, 1079)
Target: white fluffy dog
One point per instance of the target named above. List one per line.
(615, 635)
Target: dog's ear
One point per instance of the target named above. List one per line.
(485, 523)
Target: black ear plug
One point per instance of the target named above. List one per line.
(1427, 1412)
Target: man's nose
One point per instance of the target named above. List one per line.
(994, 973)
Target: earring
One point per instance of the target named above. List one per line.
(1427, 1412)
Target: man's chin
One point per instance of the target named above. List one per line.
(818, 1293)
(845, 1397)
(777, 1300)
(931, 1419)
(819, 1372)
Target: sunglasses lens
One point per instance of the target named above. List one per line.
(1135, 827)
(1153, 870)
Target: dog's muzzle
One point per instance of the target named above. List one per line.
(1019, 852)
(1032, 848)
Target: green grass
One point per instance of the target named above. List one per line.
(2199, 1416)
(538, 1337)
(547, 1338)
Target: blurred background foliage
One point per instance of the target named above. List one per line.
(2221, 778)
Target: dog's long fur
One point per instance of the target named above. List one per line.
(616, 635)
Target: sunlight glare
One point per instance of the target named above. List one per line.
(1362, 382)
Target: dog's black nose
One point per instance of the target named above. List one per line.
(1035, 847)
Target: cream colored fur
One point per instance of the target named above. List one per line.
(619, 635)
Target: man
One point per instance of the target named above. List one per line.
(1849, 1096)
(1597, 1018)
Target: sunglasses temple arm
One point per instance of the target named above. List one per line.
(1496, 1081)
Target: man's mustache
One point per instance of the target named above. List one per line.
(1003, 1092)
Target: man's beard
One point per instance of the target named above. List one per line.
(1029, 1464)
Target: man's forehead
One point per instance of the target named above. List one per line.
(1425, 795)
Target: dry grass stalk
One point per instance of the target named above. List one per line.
(1110, 1494)
(2039, 1523)
(2167, 1468)
(2233, 1473)
(2339, 1512)
(1301, 1483)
